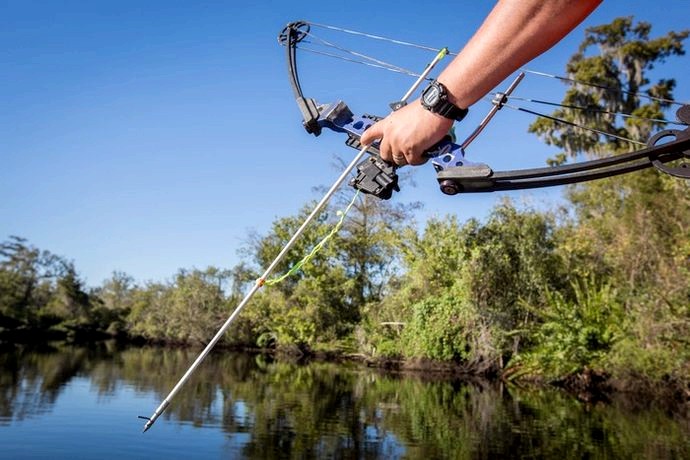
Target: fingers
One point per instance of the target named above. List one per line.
(416, 160)
(376, 131)
(399, 160)
(395, 145)
(372, 133)
(385, 150)
(392, 154)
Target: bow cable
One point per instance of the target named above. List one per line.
(596, 110)
(356, 61)
(384, 64)
(378, 37)
(570, 123)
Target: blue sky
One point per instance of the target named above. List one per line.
(151, 136)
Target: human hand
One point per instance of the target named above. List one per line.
(407, 133)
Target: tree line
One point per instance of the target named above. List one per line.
(600, 287)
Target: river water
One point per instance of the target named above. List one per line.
(71, 402)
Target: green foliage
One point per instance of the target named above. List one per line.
(324, 301)
(265, 249)
(464, 287)
(39, 291)
(572, 334)
(116, 299)
(448, 328)
(28, 279)
(512, 259)
(631, 232)
(625, 53)
(70, 300)
(431, 264)
(656, 347)
(188, 310)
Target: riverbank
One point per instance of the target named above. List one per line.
(591, 386)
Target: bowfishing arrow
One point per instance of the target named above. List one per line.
(333, 118)
(456, 174)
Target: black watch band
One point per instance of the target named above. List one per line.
(435, 99)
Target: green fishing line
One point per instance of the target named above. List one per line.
(316, 248)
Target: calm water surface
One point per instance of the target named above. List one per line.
(77, 402)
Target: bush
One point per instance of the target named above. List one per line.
(449, 328)
(573, 333)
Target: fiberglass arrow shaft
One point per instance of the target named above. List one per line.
(163, 405)
(441, 54)
(260, 282)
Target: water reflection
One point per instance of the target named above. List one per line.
(275, 409)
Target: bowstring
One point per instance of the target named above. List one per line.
(604, 87)
(367, 58)
(594, 110)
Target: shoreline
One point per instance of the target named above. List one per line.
(589, 387)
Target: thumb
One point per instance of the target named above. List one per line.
(373, 133)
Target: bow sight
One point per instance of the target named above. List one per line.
(455, 174)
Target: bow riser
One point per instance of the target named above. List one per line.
(377, 177)
(339, 118)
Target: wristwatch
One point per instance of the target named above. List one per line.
(435, 99)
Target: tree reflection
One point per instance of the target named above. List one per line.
(32, 379)
(280, 409)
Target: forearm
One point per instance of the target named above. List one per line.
(515, 32)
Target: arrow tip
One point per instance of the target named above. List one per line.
(148, 424)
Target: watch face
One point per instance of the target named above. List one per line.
(431, 96)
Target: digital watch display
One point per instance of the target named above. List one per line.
(435, 99)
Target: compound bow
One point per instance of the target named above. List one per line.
(455, 173)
